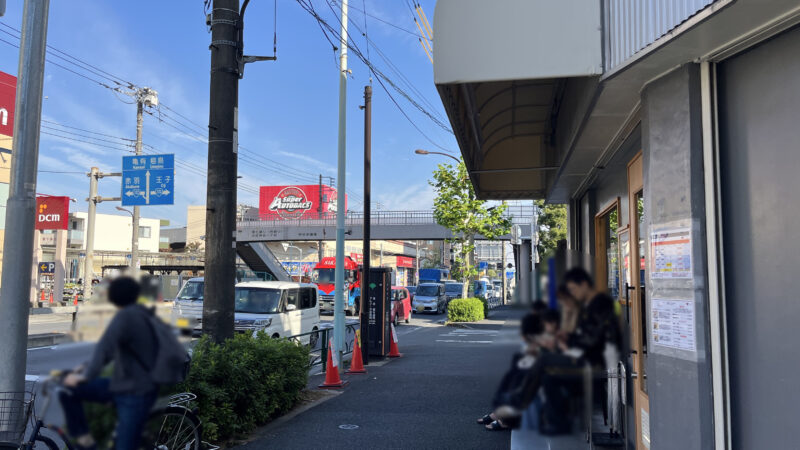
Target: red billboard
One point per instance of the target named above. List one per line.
(405, 261)
(52, 213)
(8, 95)
(297, 202)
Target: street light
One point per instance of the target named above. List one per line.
(420, 151)
(134, 249)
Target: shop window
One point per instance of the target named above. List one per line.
(607, 258)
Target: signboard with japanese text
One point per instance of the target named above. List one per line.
(671, 253)
(148, 180)
(8, 96)
(52, 213)
(405, 261)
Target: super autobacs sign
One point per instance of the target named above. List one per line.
(296, 202)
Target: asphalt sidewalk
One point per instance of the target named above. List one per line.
(428, 399)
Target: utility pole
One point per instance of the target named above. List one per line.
(365, 305)
(144, 97)
(88, 261)
(94, 198)
(220, 268)
(416, 275)
(338, 302)
(21, 206)
(319, 217)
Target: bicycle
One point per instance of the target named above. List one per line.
(172, 423)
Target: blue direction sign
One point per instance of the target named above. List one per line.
(47, 268)
(148, 180)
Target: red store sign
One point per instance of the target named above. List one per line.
(52, 213)
(8, 94)
(405, 261)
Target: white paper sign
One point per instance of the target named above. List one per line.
(672, 324)
(671, 253)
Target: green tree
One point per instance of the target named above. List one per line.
(457, 209)
(552, 221)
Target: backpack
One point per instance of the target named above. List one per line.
(172, 359)
(172, 362)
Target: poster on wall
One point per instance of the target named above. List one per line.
(671, 253)
(672, 324)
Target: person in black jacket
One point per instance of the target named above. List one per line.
(131, 344)
(559, 373)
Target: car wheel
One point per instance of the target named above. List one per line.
(395, 321)
(408, 318)
(313, 339)
(276, 336)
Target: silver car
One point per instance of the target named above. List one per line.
(187, 312)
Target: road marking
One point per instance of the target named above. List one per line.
(49, 347)
(463, 342)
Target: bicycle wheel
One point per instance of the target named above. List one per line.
(172, 428)
(49, 443)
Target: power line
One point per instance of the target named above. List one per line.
(405, 30)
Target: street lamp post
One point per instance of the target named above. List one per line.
(420, 151)
(134, 238)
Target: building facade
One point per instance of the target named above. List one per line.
(670, 130)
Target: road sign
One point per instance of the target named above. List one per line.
(148, 180)
(47, 268)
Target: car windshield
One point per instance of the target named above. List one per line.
(192, 290)
(429, 290)
(257, 300)
(454, 288)
(325, 276)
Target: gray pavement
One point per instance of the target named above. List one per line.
(430, 398)
(49, 323)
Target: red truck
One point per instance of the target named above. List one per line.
(324, 277)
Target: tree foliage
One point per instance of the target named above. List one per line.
(552, 221)
(457, 209)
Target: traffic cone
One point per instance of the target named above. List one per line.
(51, 296)
(41, 297)
(75, 301)
(332, 380)
(357, 363)
(394, 352)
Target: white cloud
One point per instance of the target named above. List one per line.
(416, 197)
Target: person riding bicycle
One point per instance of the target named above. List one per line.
(132, 346)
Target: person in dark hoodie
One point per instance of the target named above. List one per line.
(130, 343)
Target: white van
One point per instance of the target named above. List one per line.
(281, 309)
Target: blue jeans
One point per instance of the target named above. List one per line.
(132, 410)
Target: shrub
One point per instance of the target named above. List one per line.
(240, 384)
(485, 305)
(465, 310)
(244, 382)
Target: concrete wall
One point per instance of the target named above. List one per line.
(679, 381)
(195, 224)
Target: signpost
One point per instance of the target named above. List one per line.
(47, 268)
(148, 180)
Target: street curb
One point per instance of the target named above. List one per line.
(54, 310)
(47, 339)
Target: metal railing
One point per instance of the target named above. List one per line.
(313, 218)
(323, 338)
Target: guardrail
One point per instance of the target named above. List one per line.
(323, 338)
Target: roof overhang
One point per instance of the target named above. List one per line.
(501, 68)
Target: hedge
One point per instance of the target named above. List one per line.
(465, 310)
(485, 305)
(240, 384)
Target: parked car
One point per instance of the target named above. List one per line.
(401, 305)
(411, 291)
(453, 289)
(430, 297)
(279, 308)
(187, 311)
(498, 290)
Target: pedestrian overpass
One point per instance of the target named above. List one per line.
(252, 235)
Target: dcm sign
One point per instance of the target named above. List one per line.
(52, 213)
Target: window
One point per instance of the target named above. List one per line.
(607, 250)
(308, 298)
(257, 300)
(144, 232)
(293, 298)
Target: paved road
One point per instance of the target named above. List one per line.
(430, 398)
(49, 323)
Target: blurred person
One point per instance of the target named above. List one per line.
(531, 328)
(559, 373)
(539, 306)
(570, 310)
(130, 342)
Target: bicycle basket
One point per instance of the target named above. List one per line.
(15, 410)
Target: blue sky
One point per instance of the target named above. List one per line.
(287, 109)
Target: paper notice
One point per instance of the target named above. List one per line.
(672, 324)
(671, 253)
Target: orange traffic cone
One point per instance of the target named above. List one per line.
(394, 352)
(332, 380)
(75, 301)
(357, 363)
(41, 297)
(51, 296)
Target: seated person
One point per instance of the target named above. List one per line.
(559, 374)
(531, 329)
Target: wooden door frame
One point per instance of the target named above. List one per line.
(600, 244)
(641, 399)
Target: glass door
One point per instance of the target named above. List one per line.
(637, 302)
